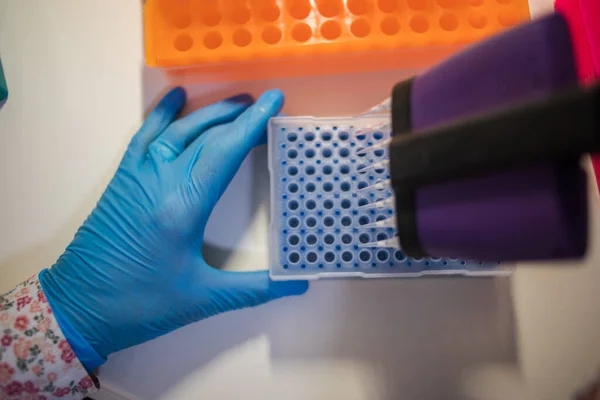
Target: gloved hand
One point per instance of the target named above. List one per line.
(135, 270)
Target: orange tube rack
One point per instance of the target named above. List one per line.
(286, 37)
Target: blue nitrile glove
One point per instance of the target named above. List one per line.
(135, 270)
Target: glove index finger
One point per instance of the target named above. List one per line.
(264, 138)
(250, 127)
(215, 157)
(174, 140)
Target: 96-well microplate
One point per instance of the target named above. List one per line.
(317, 225)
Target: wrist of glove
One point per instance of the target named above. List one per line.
(135, 269)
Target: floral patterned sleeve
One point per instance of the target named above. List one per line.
(36, 361)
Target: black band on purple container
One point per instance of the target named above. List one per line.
(406, 219)
(559, 127)
(401, 115)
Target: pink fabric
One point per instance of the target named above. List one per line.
(583, 17)
(36, 361)
(591, 24)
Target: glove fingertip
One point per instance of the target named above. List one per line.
(288, 288)
(167, 108)
(272, 100)
(175, 98)
(243, 98)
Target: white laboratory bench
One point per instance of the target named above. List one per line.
(78, 91)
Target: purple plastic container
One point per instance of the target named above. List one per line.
(537, 211)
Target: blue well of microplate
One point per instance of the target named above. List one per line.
(317, 228)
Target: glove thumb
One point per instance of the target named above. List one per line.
(250, 289)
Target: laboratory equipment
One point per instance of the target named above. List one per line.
(488, 138)
(266, 38)
(484, 163)
(322, 209)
